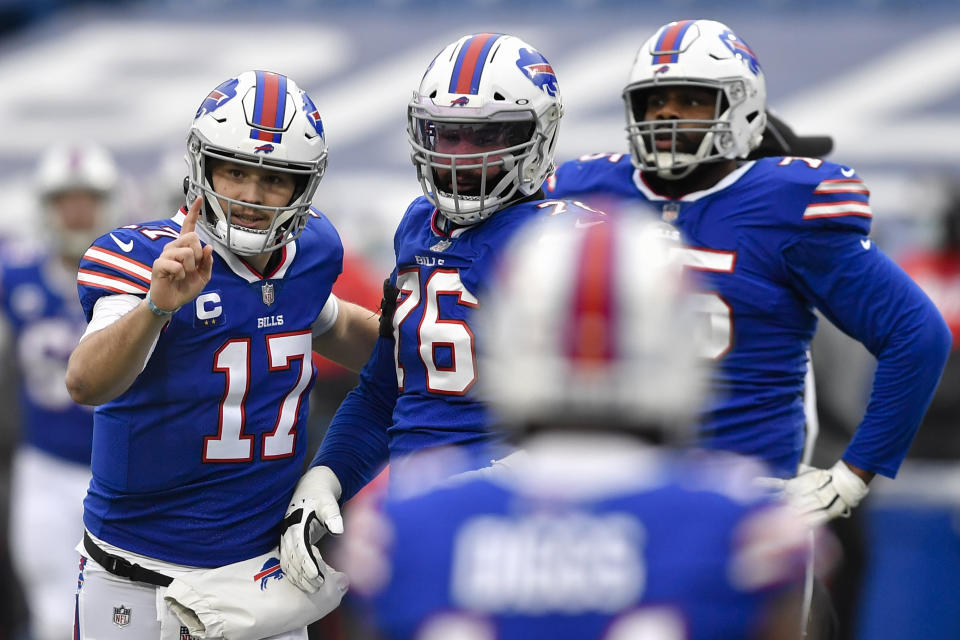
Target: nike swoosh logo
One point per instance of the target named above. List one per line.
(865, 243)
(126, 247)
(586, 225)
(848, 173)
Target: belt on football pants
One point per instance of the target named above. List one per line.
(121, 567)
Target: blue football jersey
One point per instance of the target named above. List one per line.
(195, 463)
(38, 300)
(429, 380)
(772, 240)
(669, 550)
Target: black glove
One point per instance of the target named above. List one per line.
(387, 308)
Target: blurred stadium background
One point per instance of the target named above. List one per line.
(880, 76)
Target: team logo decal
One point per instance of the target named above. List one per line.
(185, 633)
(264, 148)
(271, 569)
(462, 101)
(218, 97)
(670, 211)
(538, 70)
(121, 616)
(662, 69)
(443, 245)
(740, 49)
(312, 114)
(266, 292)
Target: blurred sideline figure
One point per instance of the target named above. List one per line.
(482, 127)
(76, 185)
(606, 528)
(774, 237)
(913, 555)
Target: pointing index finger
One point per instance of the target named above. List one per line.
(190, 221)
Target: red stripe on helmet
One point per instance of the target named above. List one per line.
(669, 41)
(592, 329)
(470, 60)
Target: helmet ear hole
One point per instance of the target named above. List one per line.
(498, 96)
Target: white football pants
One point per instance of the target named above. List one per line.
(46, 520)
(114, 608)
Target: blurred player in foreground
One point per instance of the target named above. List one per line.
(77, 188)
(198, 353)
(604, 530)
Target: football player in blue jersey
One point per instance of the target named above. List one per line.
(774, 238)
(198, 353)
(483, 127)
(77, 188)
(605, 529)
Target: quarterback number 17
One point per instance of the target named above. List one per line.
(233, 361)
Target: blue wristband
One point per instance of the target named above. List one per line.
(157, 311)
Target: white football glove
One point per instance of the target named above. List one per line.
(820, 495)
(312, 512)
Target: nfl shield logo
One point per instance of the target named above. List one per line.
(121, 616)
(185, 634)
(266, 292)
(670, 211)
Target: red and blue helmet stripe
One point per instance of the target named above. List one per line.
(591, 332)
(269, 105)
(468, 68)
(667, 48)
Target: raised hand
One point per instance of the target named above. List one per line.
(184, 267)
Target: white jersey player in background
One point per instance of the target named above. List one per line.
(77, 190)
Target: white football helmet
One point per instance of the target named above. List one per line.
(493, 91)
(697, 53)
(81, 167)
(593, 326)
(265, 120)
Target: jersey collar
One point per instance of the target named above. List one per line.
(727, 180)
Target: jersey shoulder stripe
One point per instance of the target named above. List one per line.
(121, 261)
(117, 261)
(821, 190)
(110, 283)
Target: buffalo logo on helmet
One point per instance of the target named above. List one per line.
(740, 49)
(462, 101)
(662, 69)
(312, 114)
(271, 569)
(538, 70)
(218, 97)
(264, 148)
